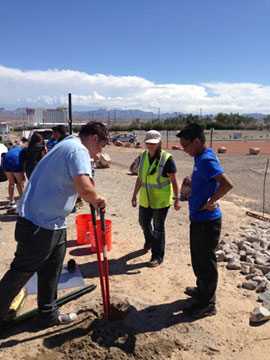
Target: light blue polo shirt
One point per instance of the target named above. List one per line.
(50, 194)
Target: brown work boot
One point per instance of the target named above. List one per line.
(154, 263)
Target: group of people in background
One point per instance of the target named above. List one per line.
(41, 230)
(23, 160)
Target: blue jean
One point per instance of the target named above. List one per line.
(154, 237)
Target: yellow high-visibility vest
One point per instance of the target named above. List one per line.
(156, 190)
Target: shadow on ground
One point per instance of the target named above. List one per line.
(117, 266)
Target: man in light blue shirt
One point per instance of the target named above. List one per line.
(49, 209)
(40, 231)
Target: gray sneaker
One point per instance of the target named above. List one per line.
(61, 320)
(65, 318)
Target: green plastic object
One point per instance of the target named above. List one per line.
(61, 301)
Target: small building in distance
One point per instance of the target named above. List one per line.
(40, 116)
(237, 135)
(4, 128)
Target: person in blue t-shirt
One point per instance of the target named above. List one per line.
(53, 140)
(40, 231)
(209, 183)
(13, 162)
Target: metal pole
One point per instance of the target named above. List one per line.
(70, 113)
(211, 139)
(267, 163)
(61, 301)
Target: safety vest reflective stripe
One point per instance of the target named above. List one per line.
(141, 163)
(159, 184)
(156, 190)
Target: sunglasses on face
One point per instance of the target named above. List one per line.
(185, 146)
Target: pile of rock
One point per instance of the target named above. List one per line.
(103, 161)
(254, 150)
(222, 150)
(251, 255)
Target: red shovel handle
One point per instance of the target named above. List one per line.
(106, 264)
(104, 298)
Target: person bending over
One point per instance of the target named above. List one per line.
(40, 230)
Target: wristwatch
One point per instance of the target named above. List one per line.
(177, 197)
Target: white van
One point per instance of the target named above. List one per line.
(45, 133)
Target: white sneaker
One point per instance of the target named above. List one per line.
(66, 318)
(12, 205)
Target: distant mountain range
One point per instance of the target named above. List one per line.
(109, 115)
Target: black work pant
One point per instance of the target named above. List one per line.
(154, 235)
(204, 237)
(38, 250)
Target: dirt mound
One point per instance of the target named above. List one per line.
(123, 337)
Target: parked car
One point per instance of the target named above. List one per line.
(124, 138)
(45, 133)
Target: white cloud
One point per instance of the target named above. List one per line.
(50, 88)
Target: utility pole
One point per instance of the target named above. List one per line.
(211, 136)
(70, 113)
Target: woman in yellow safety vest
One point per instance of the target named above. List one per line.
(157, 183)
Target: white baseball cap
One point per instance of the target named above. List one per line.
(152, 137)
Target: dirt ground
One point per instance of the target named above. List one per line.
(153, 327)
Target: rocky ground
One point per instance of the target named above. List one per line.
(148, 321)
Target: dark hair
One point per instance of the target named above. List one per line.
(95, 128)
(36, 138)
(192, 132)
(62, 137)
(157, 155)
(54, 128)
(61, 129)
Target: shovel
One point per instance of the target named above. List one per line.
(105, 260)
(100, 267)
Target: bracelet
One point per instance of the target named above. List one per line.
(178, 197)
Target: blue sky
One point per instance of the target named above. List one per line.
(176, 55)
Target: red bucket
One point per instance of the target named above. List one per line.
(108, 234)
(84, 236)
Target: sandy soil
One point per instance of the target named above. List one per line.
(154, 327)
